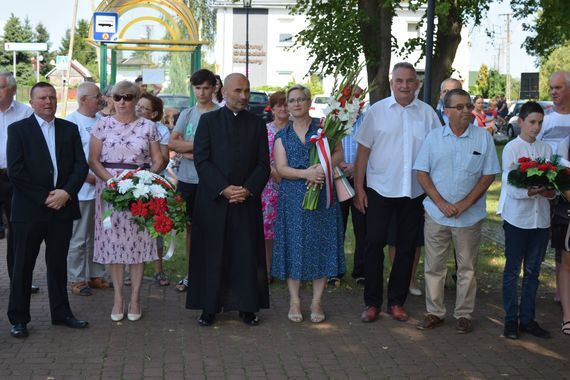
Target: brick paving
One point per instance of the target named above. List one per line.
(167, 343)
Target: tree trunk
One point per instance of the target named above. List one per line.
(375, 17)
(448, 37)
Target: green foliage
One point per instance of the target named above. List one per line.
(550, 25)
(497, 83)
(314, 84)
(482, 82)
(82, 51)
(558, 60)
(15, 31)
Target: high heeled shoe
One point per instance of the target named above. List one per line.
(317, 314)
(294, 314)
(134, 316)
(119, 316)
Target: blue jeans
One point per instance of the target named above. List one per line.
(528, 246)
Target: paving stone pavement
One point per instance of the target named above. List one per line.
(167, 343)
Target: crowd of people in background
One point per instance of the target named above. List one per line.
(420, 177)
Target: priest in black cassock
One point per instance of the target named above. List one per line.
(227, 265)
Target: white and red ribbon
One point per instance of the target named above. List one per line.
(324, 152)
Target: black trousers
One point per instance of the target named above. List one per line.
(6, 207)
(359, 228)
(28, 238)
(408, 214)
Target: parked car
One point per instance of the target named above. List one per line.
(320, 102)
(512, 128)
(259, 105)
(179, 102)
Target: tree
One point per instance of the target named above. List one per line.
(41, 34)
(340, 31)
(481, 86)
(82, 51)
(558, 60)
(497, 83)
(550, 28)
(14, 31)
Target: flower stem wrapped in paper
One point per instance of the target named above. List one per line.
(346, 103)
(151, 200)
(540, 172)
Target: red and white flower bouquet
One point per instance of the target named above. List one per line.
(151, 200)
(340, 115)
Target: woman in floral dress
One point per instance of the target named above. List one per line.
(269, 195)
(309, 245)
(123, 142)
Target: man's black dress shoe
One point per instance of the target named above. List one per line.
(249, 318)
(206, 319)
(19, 330)
(35, 289)
(534, 329)
(72, 322)
(511, 330)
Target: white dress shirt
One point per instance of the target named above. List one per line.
(515, 206)
(16, 112)
(394, 135)
(84, 125)
(48, 130)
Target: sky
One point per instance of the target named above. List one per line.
(56, 15)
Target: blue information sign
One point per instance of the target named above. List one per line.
(105, 25)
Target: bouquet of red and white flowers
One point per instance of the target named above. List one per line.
(151, 200)
(340, 115)
(540, 172)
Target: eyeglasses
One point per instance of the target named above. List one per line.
(460, 107)
(98, 96)
(126, 97)
(298, 100)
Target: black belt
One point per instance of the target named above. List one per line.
(119, 165)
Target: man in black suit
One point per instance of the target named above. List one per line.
(47, 167)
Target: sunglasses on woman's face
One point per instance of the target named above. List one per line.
(126, 97)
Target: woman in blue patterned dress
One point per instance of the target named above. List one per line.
(308, 245)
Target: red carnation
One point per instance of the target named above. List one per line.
(139, 208)
(157, 206)
(112, 185)
(162, 224)
(544, 167)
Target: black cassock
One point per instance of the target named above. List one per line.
(227, 258)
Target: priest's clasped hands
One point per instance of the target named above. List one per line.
(236, 194)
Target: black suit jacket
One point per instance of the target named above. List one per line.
(31, 171)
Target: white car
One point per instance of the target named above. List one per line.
(320, 102)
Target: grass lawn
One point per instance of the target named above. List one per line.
(491, 258)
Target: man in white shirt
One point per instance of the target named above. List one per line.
(556, 127)
(389, 140)
(82, 273)
(10, 112)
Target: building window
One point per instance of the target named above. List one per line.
(413, 29)
(285, 39)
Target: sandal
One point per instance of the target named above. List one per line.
(81, 289)
(98, 283)
(317, 314)
(294, 314)
(566, 328)
(182, 285)
(162, 279)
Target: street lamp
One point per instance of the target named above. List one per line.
(247, 6)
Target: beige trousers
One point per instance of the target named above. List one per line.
(438, 239)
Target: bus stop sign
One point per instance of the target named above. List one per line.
(105, 26)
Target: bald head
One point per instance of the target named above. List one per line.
(236, 92)
(560, 91)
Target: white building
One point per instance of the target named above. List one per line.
(271, 33)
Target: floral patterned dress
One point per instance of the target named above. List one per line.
(126, 144)
(271, 191)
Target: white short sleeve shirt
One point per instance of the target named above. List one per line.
(394, 135)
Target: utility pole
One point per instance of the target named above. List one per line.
(69, 58)
(508, 54)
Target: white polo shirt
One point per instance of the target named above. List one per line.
(16, 112)
(395, 134)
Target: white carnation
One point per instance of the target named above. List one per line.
(145, 176)
(141, 190)
(157, 191)
(125, 185)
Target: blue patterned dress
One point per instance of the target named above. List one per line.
(308, 245)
